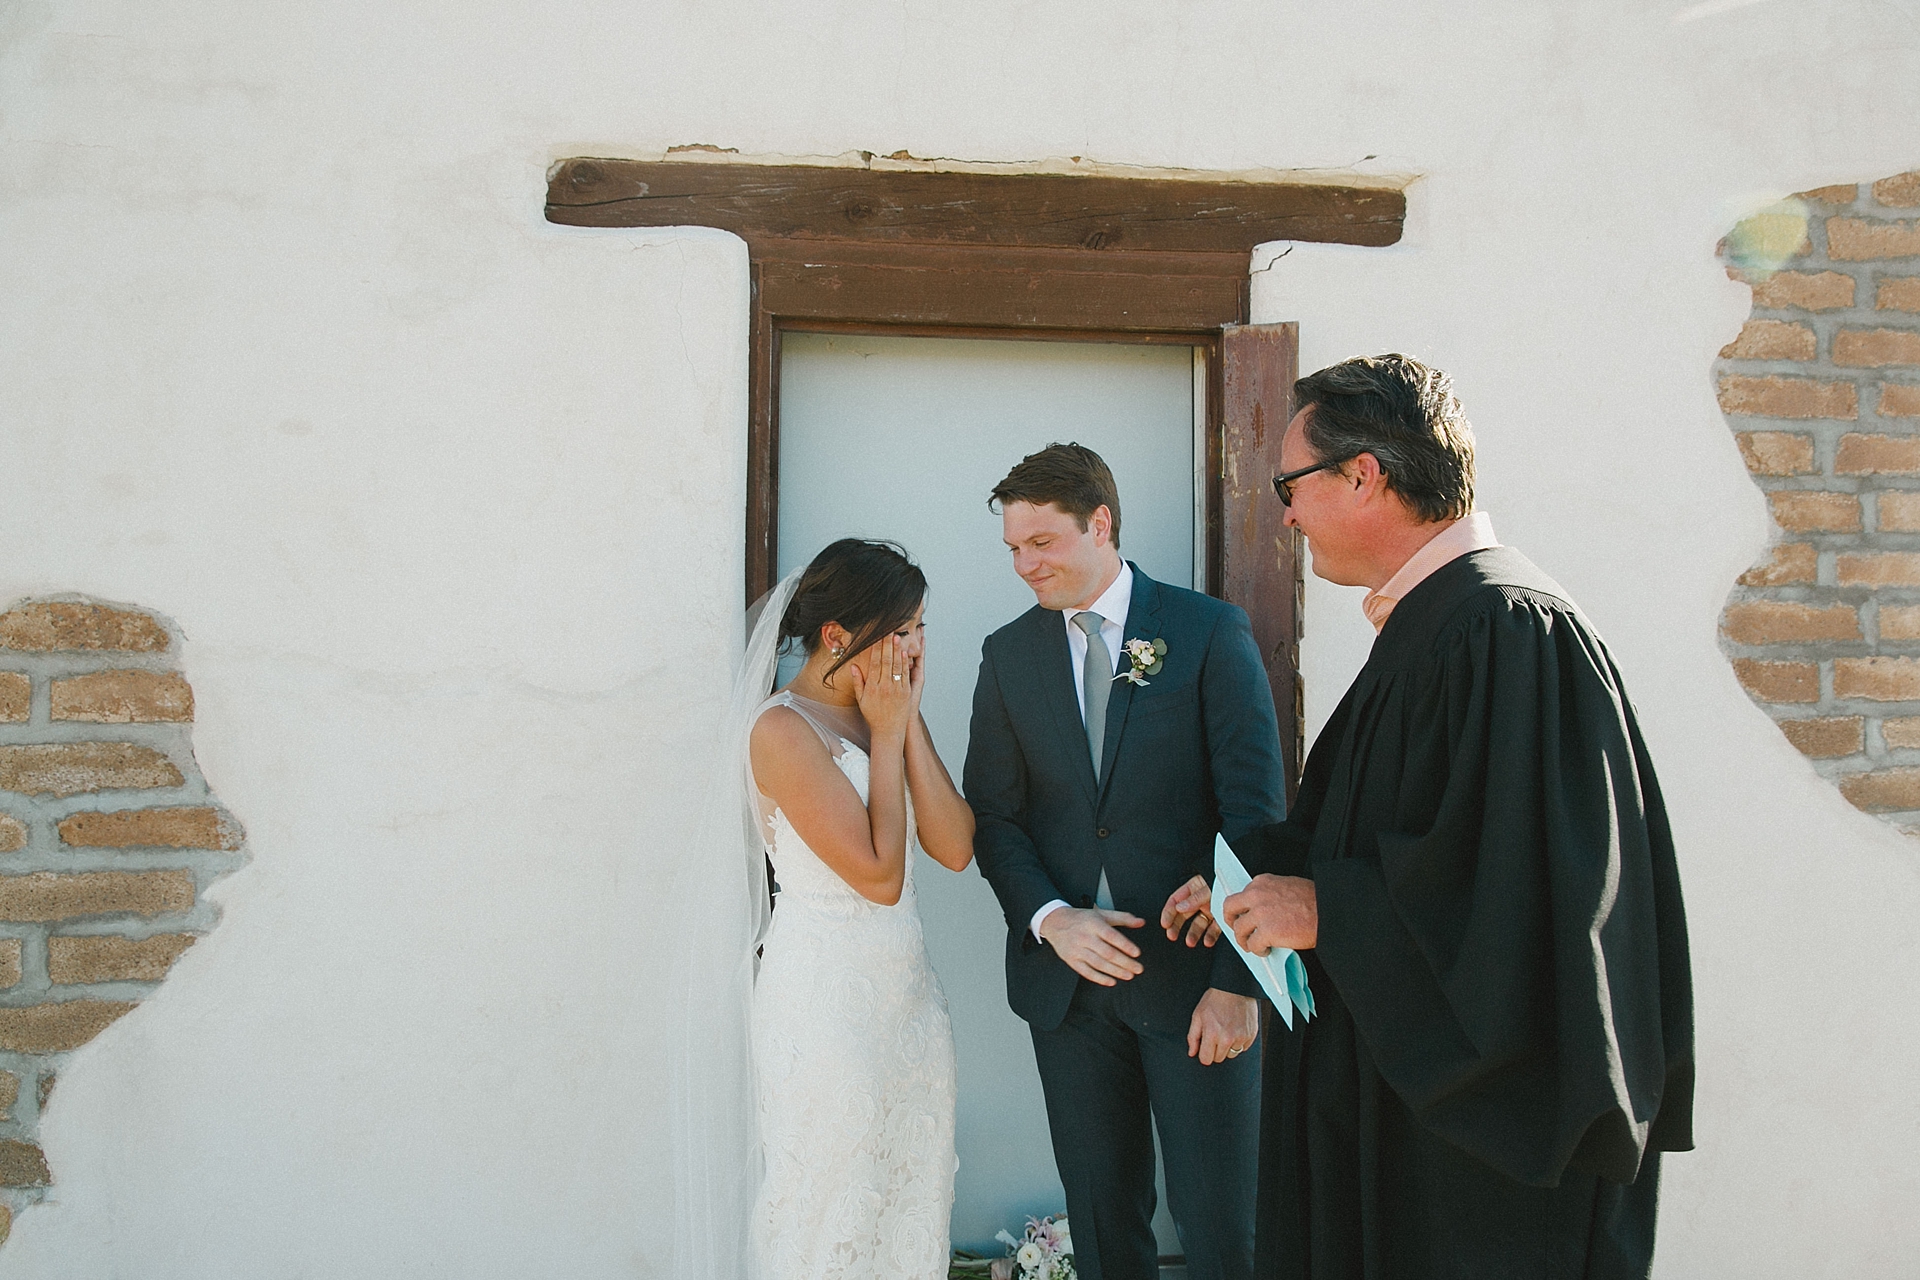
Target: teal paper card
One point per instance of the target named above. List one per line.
(1282, 973)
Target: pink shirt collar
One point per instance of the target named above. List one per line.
(1474, 533)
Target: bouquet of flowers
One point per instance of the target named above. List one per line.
(1044, 1251)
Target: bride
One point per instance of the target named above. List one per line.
(852, 1049)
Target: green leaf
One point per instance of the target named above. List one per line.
(1154, 670)
(1160, 646)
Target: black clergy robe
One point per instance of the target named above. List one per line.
(1504, 1042)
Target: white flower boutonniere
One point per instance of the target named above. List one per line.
(1144, 658)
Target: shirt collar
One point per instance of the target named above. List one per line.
(1473, 533)
(1113, 602)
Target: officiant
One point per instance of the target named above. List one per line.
(1480, 875)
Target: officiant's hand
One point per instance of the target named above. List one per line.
(1274, 911)
(1224, 1026)
(1091, 943)
(1190, 907)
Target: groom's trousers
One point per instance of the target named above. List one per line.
(1112, 1073)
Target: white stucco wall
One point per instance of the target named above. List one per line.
(445, 500)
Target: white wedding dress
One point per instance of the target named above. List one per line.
(853, 1063)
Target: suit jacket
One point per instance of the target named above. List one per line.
(1194, 751)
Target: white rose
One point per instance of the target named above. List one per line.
(1030, 1257)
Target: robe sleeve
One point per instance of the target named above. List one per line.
(1509, 936)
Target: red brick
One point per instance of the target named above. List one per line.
(16, 697)
(1876, 348)
(1899, 400)
(1877, 569)
(1779, 681)
(1771, 340)
(1802, 291)
(56, 1028)
(1902, 191)
(23, 1165)
(1883, 790)
(1860, 455)
(1826, 738)
(186, 828)
(1900, 622)
(1861, 240)
(123, 697)
(1787, 563)
(1879, 678)
(1843, 194)
(1815, 511)
(1902, 733)
(13, 834)
(74, 959)
(1899, 511)
(1898, 293)
(58, 625)
(1776, 453)
(48, 895)
(1788, 398)
(71, 768)
(1787, 622)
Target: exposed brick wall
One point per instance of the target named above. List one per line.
(1822, 389)
(108, 843)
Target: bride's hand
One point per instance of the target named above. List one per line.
(917, 675)
(886, 696)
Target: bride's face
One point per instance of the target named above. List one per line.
(913, 633)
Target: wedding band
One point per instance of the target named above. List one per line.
(1233, 1053)
(896, 677)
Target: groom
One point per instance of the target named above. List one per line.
(1096, 799)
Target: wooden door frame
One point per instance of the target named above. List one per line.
(1052, 257)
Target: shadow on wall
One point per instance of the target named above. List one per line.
(108, 842)
(1822, 389)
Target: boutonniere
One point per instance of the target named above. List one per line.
(1143, 660)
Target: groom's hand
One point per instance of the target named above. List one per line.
(1091, 944)
(1224, 1026)
(1190, 908)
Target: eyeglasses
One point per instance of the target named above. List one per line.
(1283, 484)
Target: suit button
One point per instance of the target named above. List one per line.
(1102, 833)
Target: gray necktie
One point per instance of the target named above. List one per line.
(1096, 679)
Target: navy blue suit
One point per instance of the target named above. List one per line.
(1193, 752)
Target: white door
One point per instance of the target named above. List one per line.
(902, 438)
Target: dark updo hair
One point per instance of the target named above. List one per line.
(867, 585)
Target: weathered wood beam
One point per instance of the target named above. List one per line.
(1014, 289)
(1035, 210)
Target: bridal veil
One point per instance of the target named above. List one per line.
(716, 1146)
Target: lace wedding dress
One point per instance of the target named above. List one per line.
(853, 1059)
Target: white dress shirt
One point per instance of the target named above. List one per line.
(1112, 606)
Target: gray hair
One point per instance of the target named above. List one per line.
(1405, 414)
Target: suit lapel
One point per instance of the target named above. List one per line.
(1056, 678)
(1143, 622)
